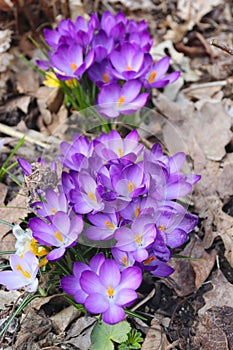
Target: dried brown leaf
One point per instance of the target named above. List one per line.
(215, 329)
(221, 294)
(12, 213)
(155, 337)
(63, 318)
(189, 275)
(193, 11)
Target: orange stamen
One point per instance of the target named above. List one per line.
(106, 78)
(58, 235)
(110, 291)
(138, 239)
(73, 66)
(137, 212)
(149, 260)
(131, 186)
(24, 272)
(121, 100)
(152, 77)
(109, 225)
(92, 196)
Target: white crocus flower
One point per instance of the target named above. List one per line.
(24, 239)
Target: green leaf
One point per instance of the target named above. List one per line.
(103, 335)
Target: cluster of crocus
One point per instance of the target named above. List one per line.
(108, 56)
(113, 191)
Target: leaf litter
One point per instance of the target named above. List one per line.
(195, 308)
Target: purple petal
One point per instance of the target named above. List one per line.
(132, 276)
(56, 254)
(109, 273)
(90, 282)
(25, 166)
(126, 296)
(114, 314)
(96, 303)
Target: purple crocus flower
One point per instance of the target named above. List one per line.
(113, 99)
(75, 155)
(25, 166)
(129, 182)
(174, 223)
(69, 63)
(138, 238)
(156, 78)
(156, 267)
(99, 73)
(123, 259)
(71, 284)
(129, 62)
(85, 197)
(114, 26)
(62, 232)
(102, 45)
(83, 31)
(23, 274)
(54, 202)
(110, 290)
(111, 146)
(104, 226)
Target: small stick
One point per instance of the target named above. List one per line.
(221, 46)
(19, 135)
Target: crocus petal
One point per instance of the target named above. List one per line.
(90, 282)
(56, 254)
(12, 280)
(110, 273)
(132, 276)
(96, 303)
(113, 314)
(126, 296)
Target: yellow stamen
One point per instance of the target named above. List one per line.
(105, 77)
(110, 291)
(131, 186)
(120, 101)
(149, 260)
(129, 68)
(137, 212)
(124, 261)
(138, 239)
(120, 152)
(161, 227)
(43, 262)
(38, 251)
(72, 82)
(24, 272)
(73, 66)
(92, 196)
(53, 211)
(109, 225)
(152, 77)
(58, 235)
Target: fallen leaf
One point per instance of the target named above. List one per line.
(9, 297)
(79, 334)
(193, 11)
(189, 275)
(215, 329)
(63, 318)
(13, 213)
(221, 294)
(155, 337)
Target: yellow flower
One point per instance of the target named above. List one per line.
(51, 80)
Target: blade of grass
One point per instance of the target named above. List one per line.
(15, 149)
